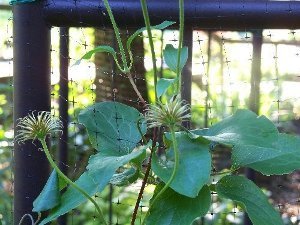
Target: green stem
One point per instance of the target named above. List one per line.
(148, 26)
(181, 30)
(117, 34)
(221, 173)
(68, 181)
(140, 130)
(175, 169)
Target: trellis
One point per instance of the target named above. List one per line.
(32, 24)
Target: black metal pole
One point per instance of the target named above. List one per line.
(204, 14)
(31, 92)
(63, 105)
(254, 99)
(186, 78)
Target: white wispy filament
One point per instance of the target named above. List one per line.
(38, 126)
(170, 114)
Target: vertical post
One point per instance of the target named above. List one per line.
(161, 71)
(207, 105)
(110, 210)
(31, 92)
(256, 71)
(223, 96)
(63, 104)
(186, 78)
(254, 98)
(113, 94)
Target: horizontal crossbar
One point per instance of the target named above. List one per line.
(200, 14)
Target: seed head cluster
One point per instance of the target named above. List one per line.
(37, 126)
(170, 114)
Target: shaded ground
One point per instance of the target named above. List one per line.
(285, 192)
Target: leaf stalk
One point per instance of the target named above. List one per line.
(70, 182)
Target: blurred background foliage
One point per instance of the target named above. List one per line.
(217, 91)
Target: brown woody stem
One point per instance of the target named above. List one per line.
(136, 90)
(140, 196)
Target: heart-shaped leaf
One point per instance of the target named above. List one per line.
(113, 131)
(50, 195)
(112, 127)
(242, 128)
(170, 55)
(194, 166)
(251, 198)
(175, 209)
(283, 156)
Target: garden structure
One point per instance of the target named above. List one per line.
(32, 49)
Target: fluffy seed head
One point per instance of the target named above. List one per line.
(170, 114)
(38, 126)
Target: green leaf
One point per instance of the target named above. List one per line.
(252, 199)
(242, 128)
(72, 198)
(50, 195)
(161, 26)
(163, 84)
(112, 127)
(15, 2)
(62, 184)
(194, 166)
(101, 168)
(282, 157)
(175, 209)
(256, 143)
(101, 48)
(138, 161)
(170, 56)
(124, 178)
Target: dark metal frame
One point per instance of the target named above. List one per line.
(31, 92)
(32, 23)
(63, 104)
(204, 14)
